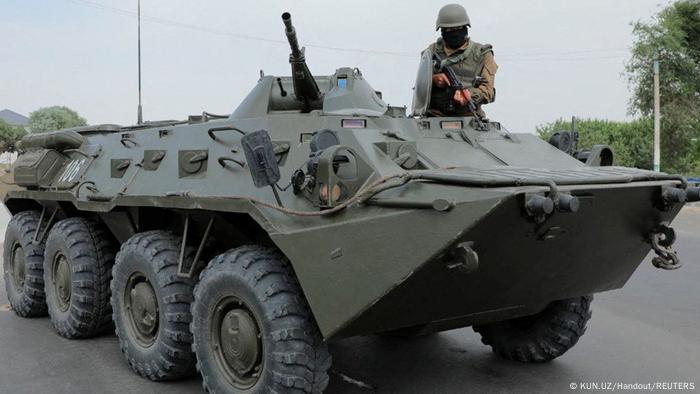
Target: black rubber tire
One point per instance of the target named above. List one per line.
(155, 254)
(295, 358)
(27, 300)
(541, 337)
(89, 251)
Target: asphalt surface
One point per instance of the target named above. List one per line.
(648, 332)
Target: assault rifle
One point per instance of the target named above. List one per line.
(456, 85)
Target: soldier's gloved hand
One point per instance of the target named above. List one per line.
(440, 80)
(462, 97)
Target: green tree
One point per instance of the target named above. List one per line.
(9, 136)
(630, 141)
(54, 118)
(674, 36)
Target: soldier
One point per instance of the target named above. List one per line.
(473, 63)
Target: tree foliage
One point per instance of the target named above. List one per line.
(9, 136)
(630, 141)
(54, 118)
(674, 37)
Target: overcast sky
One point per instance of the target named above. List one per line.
(557, 58)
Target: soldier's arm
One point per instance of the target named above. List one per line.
(485, 93)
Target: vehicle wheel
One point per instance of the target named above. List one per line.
(24, 266)
(541, 337)
(253, 330)
(151, 305)
(77, 271)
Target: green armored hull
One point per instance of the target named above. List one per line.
(315, 211)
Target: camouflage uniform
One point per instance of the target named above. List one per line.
(471, 60)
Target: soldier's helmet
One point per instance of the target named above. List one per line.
(452, 15)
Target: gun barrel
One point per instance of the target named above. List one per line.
(305, 87)
(291, 35)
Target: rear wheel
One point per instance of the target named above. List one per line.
(77, 271)
(151, 305)
(24, 265)
(253, 330)
(541, 337)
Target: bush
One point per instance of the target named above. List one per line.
(630, 141)
(9, 136)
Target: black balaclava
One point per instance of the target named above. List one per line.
(455, 38)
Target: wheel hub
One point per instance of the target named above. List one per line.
(239, 340)
(18, 267)
(142, 310)
(62, 282)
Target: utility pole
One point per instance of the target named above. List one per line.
(139, 117)
(574, 134)
(657, 115)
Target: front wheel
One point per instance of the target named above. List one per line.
(541, 337)
(253, 330)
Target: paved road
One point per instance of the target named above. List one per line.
(647, 332)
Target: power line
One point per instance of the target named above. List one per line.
(169, 22)
(537, 56)
(570, 56)
(577, 52)
(563, 59)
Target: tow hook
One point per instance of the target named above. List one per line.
(662, 239)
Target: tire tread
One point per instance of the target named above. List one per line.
(32, 301)
(90, 250)
(174, 358)
(557, 329)
(300, 359)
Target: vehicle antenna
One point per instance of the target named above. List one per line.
(139, 119)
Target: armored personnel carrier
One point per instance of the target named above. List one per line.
(238, 246)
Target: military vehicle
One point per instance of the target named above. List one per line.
(240, 245)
